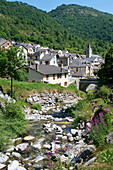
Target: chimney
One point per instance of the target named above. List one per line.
(61, 67)
(37, 67)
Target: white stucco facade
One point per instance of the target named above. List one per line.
(61, 79)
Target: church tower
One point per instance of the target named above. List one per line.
(89, 51)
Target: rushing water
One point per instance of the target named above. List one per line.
(37, 130)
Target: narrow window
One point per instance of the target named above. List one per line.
(53, 76)
(60, 75)
(47, 77)
(65, 83)
(57, 76)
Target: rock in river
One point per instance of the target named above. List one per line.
(3, 158)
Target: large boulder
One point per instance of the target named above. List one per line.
(22, 147)
(29, 138)
(2, 167)
(17, 155)
(109, 138)
(3, 158)
(13, 165)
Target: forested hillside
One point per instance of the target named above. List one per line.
(85, 22)
(24, 23)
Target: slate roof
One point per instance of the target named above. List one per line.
(49, 69)
(2, 41)
(36, 54)
(78, 63)
(95, 68)
(47, 57)
(90, 59)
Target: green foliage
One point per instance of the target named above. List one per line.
(106, 72)
(88, 23)
(89, 96)
(12, 65)
(106, 156)
(104, 93)
(82, 111)
(37, 106)
(73, 86)
(56, 99)
(82, 94)
(100, 127)
(13, 110)
(12, 123)
(68, 27)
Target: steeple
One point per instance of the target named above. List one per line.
(89, 51)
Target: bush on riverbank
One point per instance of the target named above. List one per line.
(37, 106)
(12, 123)
(99, 128)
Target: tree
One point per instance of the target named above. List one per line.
(12, 64)
(106, 72)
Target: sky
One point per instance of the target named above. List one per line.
(49, 5)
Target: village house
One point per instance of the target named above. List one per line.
(5, 44)
(48, 74)
(28, 47)
(63, 58)
(36, 47)
(80, 69)
(40, 54)
(24, 51)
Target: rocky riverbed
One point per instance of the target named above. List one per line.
(50, 136)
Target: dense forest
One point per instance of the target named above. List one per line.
(69, 27)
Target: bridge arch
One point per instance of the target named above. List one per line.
(85, 83)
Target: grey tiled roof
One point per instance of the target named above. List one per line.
(47, 57)
(2, 41)
(49, 69)
(95, 68)
(78, 62)
(91, 59)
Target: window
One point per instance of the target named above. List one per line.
(77, 69)
(65, 83)
(58, 76)
(65, 75)
(47, 62)
(47, 77)
(53, 76)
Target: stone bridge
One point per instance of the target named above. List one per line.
(83, 84)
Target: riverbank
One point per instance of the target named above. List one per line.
(52, 140)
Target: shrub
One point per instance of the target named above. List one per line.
(73, 86)
(12, 123)
(33, 80)
(13, 110)
(100, 127)
(106, 156)
(103, 92)
(56, 99)
(81, 111)
(37, 106)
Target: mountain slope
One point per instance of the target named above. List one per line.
(24, 23)
(84, 21)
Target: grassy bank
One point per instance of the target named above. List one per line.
(23, 89)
